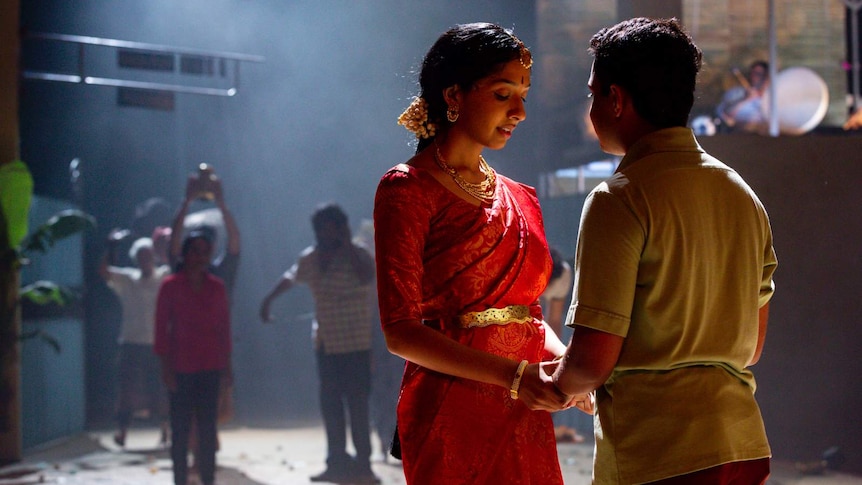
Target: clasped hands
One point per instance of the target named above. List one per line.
(538, 392)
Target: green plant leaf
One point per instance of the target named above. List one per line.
(60, 226)
(41, 335)
(45, 292)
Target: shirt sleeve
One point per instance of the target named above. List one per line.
(610, 242)
(770, 264)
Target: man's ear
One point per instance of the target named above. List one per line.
(619, 98)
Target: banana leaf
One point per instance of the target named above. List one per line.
(60, 226)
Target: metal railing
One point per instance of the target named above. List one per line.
(177, 52)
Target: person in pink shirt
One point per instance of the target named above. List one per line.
(193, 340)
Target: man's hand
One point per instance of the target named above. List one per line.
(265, 314)
(584, 402)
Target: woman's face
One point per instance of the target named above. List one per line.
(198, 256)
(490, 111)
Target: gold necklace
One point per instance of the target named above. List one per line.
(484, 190)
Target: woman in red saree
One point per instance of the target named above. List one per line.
(461, 262)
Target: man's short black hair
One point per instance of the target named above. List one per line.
(655, 61)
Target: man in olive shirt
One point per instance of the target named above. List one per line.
(673, 275)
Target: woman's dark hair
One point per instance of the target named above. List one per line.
(655, 61)
(461, 56)
(328, 213)
(205, 233)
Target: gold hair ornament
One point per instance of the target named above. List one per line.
(525, 57)
(415, 119)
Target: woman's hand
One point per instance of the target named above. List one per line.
(538, 392)
(584, 402)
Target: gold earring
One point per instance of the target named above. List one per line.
(452, 114)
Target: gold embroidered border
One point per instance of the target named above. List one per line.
(496, 316)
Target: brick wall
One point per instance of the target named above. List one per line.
(731, 33)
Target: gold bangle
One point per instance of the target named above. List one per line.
(516, 383)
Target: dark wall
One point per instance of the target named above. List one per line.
(808, 376)
(315, 122)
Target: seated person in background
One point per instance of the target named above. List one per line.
(741, 107)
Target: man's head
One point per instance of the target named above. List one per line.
(655, 61)
(330, 227)
(758, 74)
(143, 255)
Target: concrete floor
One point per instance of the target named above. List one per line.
(262, 457)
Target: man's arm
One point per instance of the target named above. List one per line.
(104, 263)
(590, 358)
(110, 256)
(229, 222)
(283, 285)
(178, 224)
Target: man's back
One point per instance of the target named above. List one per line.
(687, 249)
(342, 300)
(707, 255)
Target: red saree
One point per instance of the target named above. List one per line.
(438, 256)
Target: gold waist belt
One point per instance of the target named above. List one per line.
(496, 316)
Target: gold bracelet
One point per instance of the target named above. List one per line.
(516, 383)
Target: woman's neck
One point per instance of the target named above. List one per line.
(195, 276)
(458, 152)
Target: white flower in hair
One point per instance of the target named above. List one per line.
(415, 119)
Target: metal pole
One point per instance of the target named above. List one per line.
(854, 6)
(773, 71)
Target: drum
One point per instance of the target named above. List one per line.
(802, 100)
